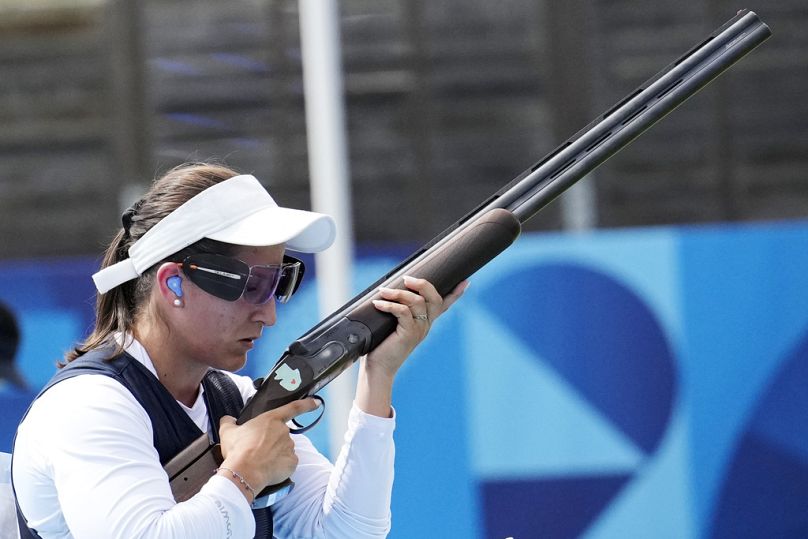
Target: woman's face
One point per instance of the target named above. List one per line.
(219, 333)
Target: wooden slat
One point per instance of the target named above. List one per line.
(446, 102)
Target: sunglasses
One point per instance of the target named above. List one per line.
(230, 278)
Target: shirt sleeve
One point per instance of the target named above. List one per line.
(85, 461)
(348, 499)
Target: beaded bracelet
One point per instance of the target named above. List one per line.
(237, 476)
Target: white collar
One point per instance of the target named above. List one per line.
(134, 348)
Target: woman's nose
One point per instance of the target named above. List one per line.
(266, 313)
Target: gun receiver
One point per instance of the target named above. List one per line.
(356, 328)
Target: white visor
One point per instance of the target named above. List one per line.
(237, 211)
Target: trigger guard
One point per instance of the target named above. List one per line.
(303, 428)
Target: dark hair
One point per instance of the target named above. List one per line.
(9, 334)
(116, 311)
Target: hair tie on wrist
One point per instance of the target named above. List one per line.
(239, 477)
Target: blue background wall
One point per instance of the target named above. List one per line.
(640, 383)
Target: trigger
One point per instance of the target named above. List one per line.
(303, 428)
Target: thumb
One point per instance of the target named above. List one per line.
(227, 422)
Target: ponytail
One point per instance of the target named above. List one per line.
(115, 310)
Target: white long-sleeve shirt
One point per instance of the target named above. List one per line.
(85, 466)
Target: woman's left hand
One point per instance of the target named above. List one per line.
(416, 309)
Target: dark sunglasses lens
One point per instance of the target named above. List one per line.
(262, 284)
(291, 275)
(218, 275)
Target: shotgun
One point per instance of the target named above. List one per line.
(356, 328)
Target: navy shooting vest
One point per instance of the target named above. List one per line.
(173, 429)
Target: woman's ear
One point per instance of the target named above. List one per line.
(170, 283)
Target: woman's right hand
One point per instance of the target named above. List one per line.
(262, 450)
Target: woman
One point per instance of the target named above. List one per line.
(185, 289)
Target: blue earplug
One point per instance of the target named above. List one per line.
(174, 284)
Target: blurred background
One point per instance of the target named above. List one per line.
(634, 366)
